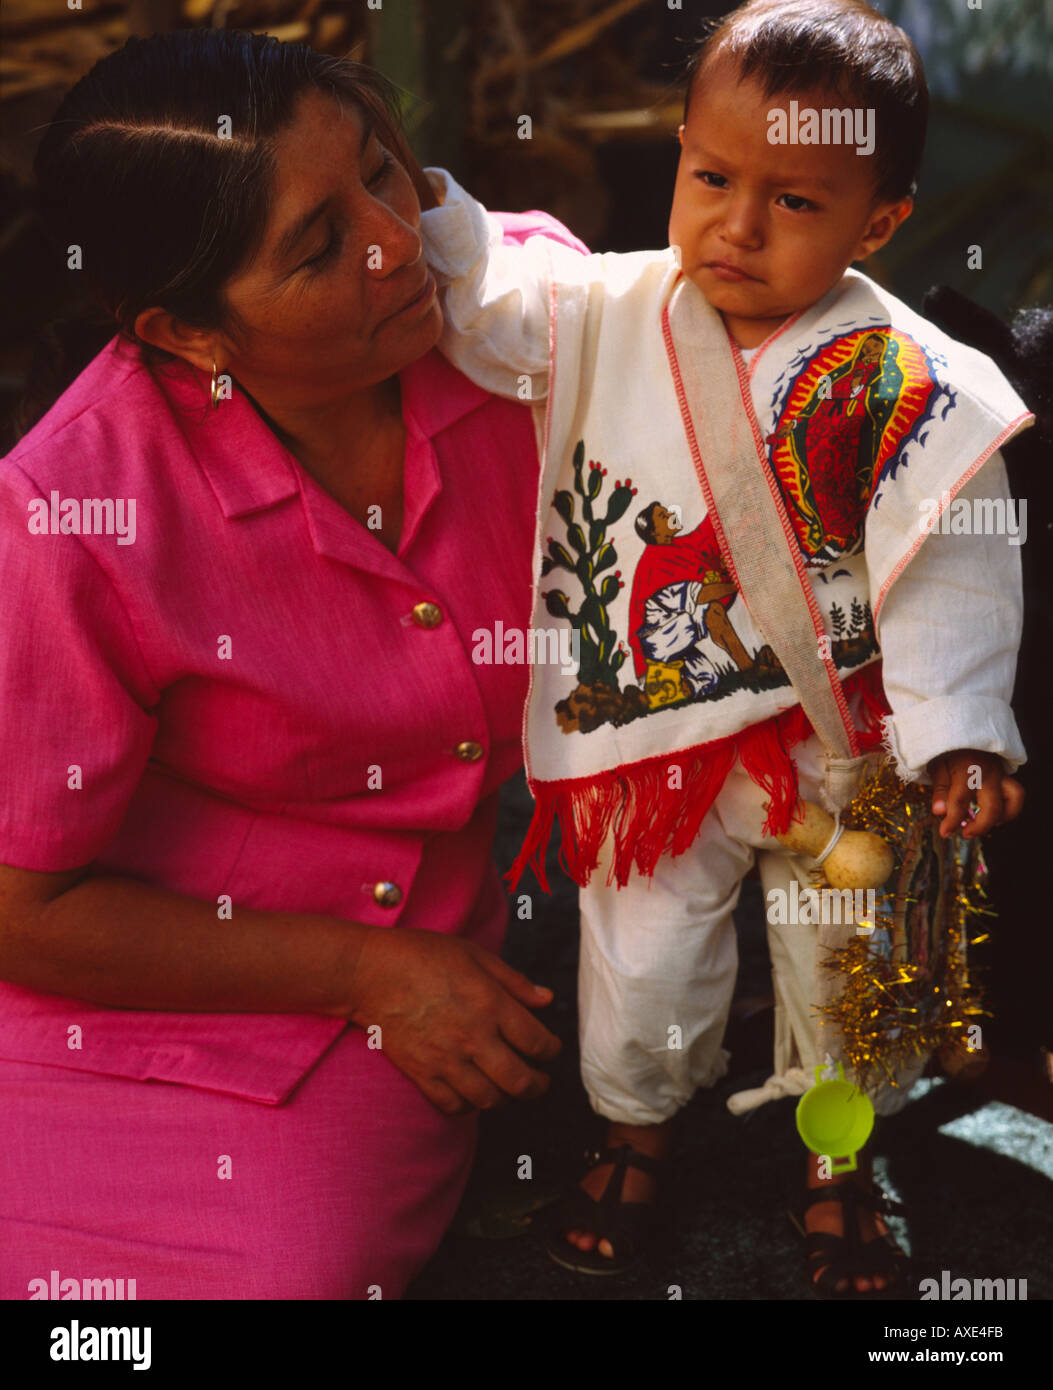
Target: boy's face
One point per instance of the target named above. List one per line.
(765, 230)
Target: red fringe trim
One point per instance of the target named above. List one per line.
(649, 817)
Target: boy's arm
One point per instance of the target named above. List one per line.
(949, 634)
(495, 290)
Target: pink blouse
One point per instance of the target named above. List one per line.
(247, 694)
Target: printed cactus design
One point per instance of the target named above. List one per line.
(587, 559)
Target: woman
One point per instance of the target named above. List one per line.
(249, 768)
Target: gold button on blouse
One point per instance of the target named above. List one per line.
(469, 752)
(387, 894)
(427, 614)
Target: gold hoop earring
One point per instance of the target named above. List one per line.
(214, 397)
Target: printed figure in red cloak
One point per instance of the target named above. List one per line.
(835, 440)
(681, 591)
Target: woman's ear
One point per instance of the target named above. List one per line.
(163, 330)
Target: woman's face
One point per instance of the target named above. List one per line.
(344, 299)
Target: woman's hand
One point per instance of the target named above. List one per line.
(453, 1017)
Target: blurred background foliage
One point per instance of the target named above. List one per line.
(600, 81)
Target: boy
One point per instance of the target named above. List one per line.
(866, 414)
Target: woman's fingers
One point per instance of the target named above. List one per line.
(453, 1020)
(441, 1095)
(471, 1082)
(507, 1070)
(532, 995)
(528, 1035)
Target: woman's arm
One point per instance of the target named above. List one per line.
(453, 1016)
(117, 941)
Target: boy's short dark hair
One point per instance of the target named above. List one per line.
(845, 46)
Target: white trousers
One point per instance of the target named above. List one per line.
(659, 959)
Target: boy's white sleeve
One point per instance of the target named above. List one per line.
(494, 297)
(949, 634)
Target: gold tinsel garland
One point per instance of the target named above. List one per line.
(907, 988)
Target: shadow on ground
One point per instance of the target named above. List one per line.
(974, 1173)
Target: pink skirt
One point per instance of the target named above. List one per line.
(342, 1192)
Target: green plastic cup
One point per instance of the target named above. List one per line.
(835, 1118)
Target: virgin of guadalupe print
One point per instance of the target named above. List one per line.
(846, 415)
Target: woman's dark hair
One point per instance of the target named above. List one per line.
(136, 169)
(844, 46)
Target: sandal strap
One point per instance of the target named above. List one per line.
(625, 1156)
(831, 1258)
(828, 1261)
(875, 1199)
(847, 1193)
(827, 1265)
(823, 1247)
(623, 1224)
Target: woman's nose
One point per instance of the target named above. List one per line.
(393, 243)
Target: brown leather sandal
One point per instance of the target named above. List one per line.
(627, 1225)
(846, 1256)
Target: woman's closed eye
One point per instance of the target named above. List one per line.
(385, 167)
(330, 250)
(335, 242)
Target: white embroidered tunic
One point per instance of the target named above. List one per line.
(883, 437)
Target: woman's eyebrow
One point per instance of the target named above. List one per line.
(292, 235)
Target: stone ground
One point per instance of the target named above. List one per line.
(974, 1170)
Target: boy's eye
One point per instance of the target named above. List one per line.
(710, 179)
(796, 204)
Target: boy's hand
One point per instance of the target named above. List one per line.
(967, 775)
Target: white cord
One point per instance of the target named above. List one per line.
(831, 844)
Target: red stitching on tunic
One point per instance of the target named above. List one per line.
(772, 337)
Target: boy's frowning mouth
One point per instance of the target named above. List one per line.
(727, 270)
